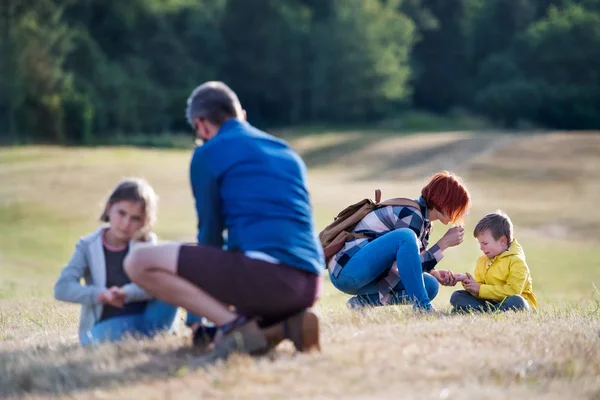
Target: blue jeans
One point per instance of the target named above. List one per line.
(363, 271)
(432, 286)
(463, 301)
(157, 316)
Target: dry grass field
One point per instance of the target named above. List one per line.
(548, 183)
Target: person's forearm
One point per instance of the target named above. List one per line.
(431, 257)
(442, 244)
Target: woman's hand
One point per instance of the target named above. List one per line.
(115, 296)
(445, 278)
(453, 237)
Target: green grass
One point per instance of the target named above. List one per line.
(164, 140)
(422, 121)
(406, 122)
(50, 196)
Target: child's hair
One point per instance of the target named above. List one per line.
(136, 190)
(498, 223)
(447, 193)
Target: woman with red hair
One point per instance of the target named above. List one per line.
(390, 262)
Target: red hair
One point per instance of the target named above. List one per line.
(447, 193)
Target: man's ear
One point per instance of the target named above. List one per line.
(244, 115)
(201, 129)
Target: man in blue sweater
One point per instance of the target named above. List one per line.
(259, 283)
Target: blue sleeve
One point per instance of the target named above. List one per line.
(205, 188)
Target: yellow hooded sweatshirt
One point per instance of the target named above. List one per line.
(505, 275)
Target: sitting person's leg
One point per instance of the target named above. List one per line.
(432, 287)
(463, 301)
(207, 280)
(158, 316)
(113, 329)
(370, 262)
(192, 319)
(514, 303)
(155, 268)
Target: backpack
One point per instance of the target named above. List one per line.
(336, 234)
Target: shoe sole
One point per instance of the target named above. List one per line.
(308, 324)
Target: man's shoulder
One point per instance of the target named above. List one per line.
(240, 142)
(201, 153)
(253, 134)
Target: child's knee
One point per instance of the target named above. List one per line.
(130, 263)
(516, 302)
(457, 297)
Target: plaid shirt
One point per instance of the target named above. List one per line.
(381, 221)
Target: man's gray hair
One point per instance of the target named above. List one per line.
(214, 101)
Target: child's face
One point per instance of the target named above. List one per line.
(126, 218)
(490, 246)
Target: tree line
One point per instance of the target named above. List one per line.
(73, 70)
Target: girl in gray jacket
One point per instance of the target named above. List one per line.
(112, 306)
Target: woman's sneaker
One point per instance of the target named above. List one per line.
(355, 304)
(358, 303)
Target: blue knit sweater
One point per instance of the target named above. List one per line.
(253, 186)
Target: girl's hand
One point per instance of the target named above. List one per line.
(115, 296)
(453, 237)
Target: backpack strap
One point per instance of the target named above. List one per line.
(400, 201)
(377, 196)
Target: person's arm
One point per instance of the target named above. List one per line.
(206, 192)
(452, 237)
(473, 282)
(68, 287)
(135, 293)
(429, 257)
(517, 277)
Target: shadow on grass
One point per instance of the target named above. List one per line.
(336, 152)
(70, 369)
(368, 164)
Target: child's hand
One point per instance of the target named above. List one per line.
(119, 294)
(460, 277)
(471, 285)
(115, 296)
(445, 278)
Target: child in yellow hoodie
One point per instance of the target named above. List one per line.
(502, 279)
